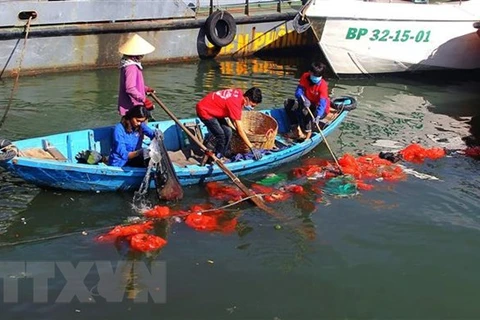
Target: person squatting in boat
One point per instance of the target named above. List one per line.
(132, 89)
(216, 106)
(128, 138)
(311, 93)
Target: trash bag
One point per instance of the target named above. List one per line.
(390, 156)
(89, 157)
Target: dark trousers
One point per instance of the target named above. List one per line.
(298, 116)
(138, 161)
(222, 134)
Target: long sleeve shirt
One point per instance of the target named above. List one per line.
(132, 89)
(125, 142)
(316, 93)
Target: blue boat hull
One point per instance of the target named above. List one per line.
(70, 175)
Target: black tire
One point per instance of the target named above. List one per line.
(221, 28)
(346, 103)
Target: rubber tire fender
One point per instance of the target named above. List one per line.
(346, 103)
(221, 28)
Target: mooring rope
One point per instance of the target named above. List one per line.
(15, 84)
(255, 39)
(301, 15)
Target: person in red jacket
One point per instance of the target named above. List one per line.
(311, 93)
(218, 105)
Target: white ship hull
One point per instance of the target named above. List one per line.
(359, 37)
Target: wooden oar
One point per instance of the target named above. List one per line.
(326, 142)
(255, 198)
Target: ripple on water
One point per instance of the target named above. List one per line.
(15, 196)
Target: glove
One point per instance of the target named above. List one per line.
(317, 120)
(257, 155)
(148, 104)
(306, 103)
(149, 90)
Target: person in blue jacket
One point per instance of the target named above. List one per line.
(128, 138)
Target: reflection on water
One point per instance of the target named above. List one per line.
(405, 249)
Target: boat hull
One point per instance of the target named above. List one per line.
(70, 175)
(374, 37)
(88, 34)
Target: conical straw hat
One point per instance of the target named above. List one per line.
(136, 46)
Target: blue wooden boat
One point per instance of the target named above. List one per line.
(49, 161)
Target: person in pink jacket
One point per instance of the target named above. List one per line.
(132, 90)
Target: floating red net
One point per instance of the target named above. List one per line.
(136, 235)
(370, 167)
(417, 154)
(158, 212)
(203, 217)
(271, 194)
(321, 175)
(203, 222)
(124, 231)
(145, 242)
(223, 192)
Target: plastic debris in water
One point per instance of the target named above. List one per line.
(272, 179)
(342, 186)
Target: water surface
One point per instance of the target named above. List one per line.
(405, 250)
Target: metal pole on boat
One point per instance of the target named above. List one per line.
(326, 142)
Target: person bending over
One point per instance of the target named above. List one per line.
(128, 137)
(216, 106)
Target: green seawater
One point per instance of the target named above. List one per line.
(403, 250)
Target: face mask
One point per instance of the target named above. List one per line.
(248, 107)
(314, 79)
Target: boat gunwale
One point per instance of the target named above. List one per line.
(192, 172)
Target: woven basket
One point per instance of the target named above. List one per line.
(261, 130)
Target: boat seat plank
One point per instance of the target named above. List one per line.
(183, 158)
(37, 153)
(54, 152)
